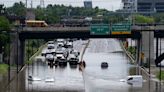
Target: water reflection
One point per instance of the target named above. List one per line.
(69, 78)
(73, 66)
(108, 80)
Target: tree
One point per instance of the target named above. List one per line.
(143, 19)
(18, 9)
(2, 9)
(159, 17)
(4, 26)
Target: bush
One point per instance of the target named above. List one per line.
(162, 75)
(3, 68)
(132, 50)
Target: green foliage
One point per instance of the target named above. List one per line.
(4, 24)
(3, 68)
(2, 9)
(132, 50)
(162, 75)
(4, 37)
(29, 62)
(159, 17)
(17, 9)
(32, 46)
(53, 13)
(143, 19)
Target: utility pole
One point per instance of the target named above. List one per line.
(42, 4)
(26, 3)
(31, 4)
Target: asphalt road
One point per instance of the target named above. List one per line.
(93, 79)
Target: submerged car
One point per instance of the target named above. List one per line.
(104, 65)
(134, 78)
(161, 63)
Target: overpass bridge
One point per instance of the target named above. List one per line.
(67, 32)
(83, 32)
(142, 32)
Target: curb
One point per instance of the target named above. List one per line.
(84, 49)
(32, 57)
(133, 61)
(127, 53)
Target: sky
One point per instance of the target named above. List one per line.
(107, 4)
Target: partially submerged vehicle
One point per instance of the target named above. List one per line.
(32, 78)
(134, 78)
(104, 65)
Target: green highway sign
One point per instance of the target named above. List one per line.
(99, 29)
(121, 29)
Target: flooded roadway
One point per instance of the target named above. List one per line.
(108, 80)
(93, 79)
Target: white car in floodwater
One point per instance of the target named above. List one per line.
(50, 57)
(73, 59)
(40, 58)
(162, 63)
(134, 78)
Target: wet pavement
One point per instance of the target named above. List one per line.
(93, 79)
(108, 80)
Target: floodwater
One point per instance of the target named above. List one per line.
(93, 79)
(109, 80)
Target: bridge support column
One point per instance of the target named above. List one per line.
(21, 52)
(138, 52)
(16, 51)
(13, 49)
(148, 47)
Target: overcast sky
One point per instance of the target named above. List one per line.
(107, 4)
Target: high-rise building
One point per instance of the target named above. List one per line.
(150, 5)
(129, 6)
(88, 4)
(145, 6)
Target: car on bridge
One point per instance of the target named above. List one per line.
(36, 23)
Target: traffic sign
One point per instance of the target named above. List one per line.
(99, 29)
(121, 29)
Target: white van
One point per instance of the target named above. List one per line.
(134, 78)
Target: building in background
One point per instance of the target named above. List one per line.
(150, 6)
(143, 6)
(129, 6)
(88, 4)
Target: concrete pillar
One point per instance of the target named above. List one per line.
(1, 57)
(138, 52)
(16, 50)
(148, 47)
(21, 52)
(13, 48)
